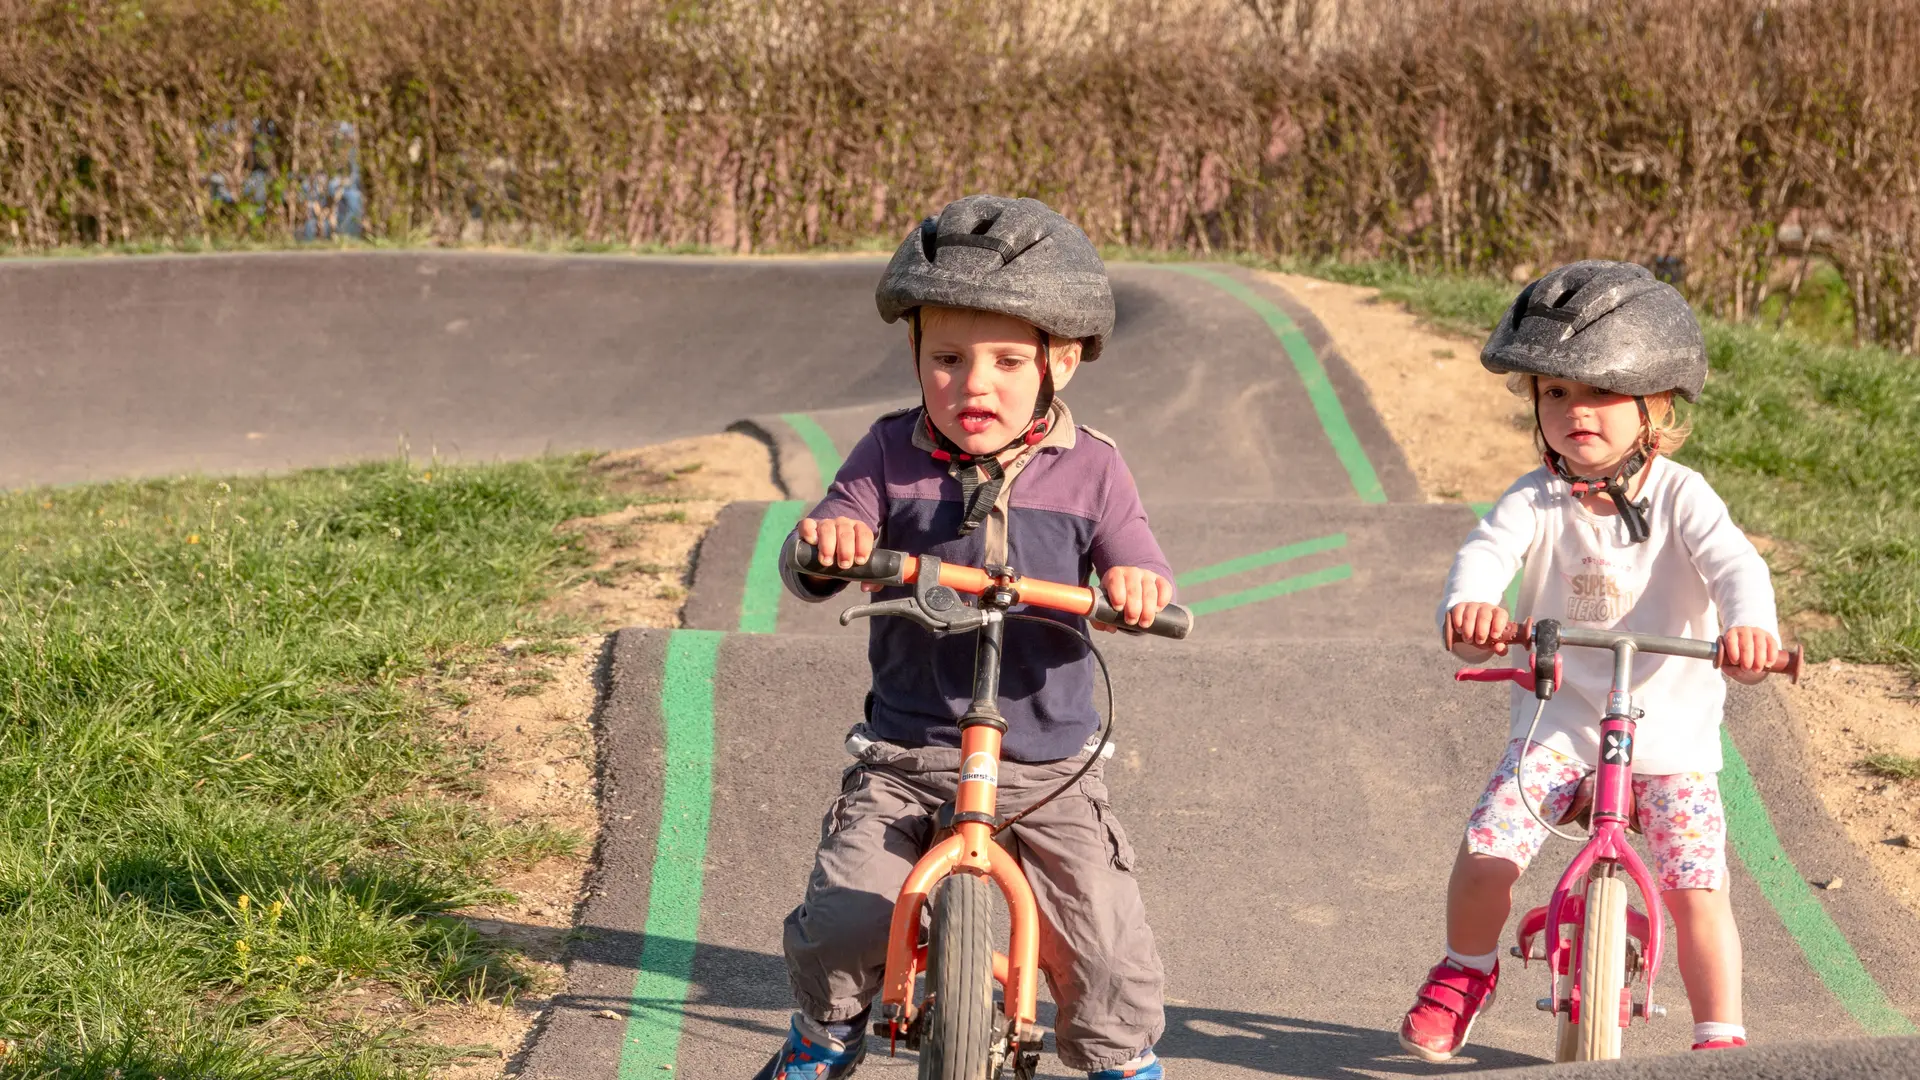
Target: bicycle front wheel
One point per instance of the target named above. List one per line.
(1603, 971)
(963, 1025)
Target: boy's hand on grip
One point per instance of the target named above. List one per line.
(844, 542)
(1477, 625)
(1137, 594)
(1746, 652)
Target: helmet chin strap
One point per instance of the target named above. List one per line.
(1634, 514)
(981, 476)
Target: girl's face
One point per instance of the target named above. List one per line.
(980, 376)
(1593, 429)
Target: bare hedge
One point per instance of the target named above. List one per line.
(1722, 139)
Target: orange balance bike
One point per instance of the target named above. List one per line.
(1595, 942)
(955, 1024)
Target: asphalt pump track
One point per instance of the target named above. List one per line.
(1294, 777)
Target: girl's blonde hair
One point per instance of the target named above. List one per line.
(1665, 433)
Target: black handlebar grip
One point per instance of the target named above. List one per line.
(882, 565)
(1172, 621)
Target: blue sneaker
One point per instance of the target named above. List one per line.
(806, 1057)
(1143, 1067)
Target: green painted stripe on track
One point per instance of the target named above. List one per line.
(1326, 403)
(826, 457)
(1264, 558)
(1268, 592)
(679, 857)
(760, 598)
(1750, 829)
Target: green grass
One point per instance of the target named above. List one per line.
(221, 802)
(1811, 443)
(1892, 766)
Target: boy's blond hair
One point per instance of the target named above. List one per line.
(1665, 433)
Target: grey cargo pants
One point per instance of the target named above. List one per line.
(1095, 947)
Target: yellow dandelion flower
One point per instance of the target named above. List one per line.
(245, 901)
(427, 476)
(193, 538)
(274, 910)
(303, 960)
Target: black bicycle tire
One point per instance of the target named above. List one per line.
(963, 1023)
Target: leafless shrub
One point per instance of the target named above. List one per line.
(1720, 136)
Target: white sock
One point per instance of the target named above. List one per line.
(1482, 964)
(1710, 1031)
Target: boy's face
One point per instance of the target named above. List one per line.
(980, 374)
(1593, 429)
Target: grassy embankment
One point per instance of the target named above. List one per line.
(223, 801)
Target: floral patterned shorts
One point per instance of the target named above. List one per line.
(1681, 816)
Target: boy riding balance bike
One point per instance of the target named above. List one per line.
(1004, 299)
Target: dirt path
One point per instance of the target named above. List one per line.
(1467, 438)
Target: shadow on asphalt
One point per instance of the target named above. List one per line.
(1307, 1048)
(727, 982)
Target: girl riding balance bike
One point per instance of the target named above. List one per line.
(1612, 535)
(1004, 299)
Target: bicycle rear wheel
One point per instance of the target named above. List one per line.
(962, 1025)
(1603, 971)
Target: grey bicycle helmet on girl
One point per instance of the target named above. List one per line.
(1606, 324)
(1013, 256)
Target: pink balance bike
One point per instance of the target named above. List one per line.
(1595, 941)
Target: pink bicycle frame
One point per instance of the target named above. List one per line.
(1606, 843)
(1613, 790)
(1612, 797)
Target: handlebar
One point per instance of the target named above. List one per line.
(1521, 633)
(886, 567)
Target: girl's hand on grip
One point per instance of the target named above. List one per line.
(1477, 625)
(1746, 652)
(844, 542)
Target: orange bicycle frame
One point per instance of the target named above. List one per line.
(970, 850)
(971, 847)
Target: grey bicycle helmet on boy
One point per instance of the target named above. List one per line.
(1610, 325)
(1606, 324)
(1013, 256)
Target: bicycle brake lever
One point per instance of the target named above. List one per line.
(909, 608)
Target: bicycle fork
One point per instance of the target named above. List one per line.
(971, 849)
(1604, 854)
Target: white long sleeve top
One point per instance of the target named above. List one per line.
(1696, 573)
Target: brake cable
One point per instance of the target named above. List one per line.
(1106, 727)
(1520, 773)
